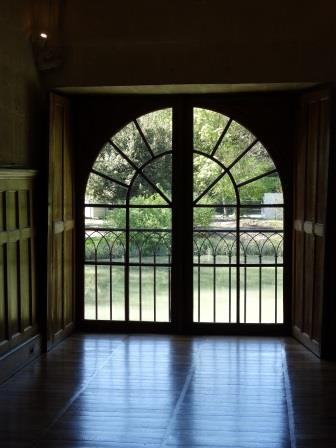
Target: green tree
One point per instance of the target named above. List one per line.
(208, 127)
(157, 128)
(154, 218)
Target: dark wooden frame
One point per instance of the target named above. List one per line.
(61, 224)
(242, 108)
(313, 233)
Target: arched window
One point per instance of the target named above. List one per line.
(237, 230)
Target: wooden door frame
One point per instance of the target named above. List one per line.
(314, 317)
(225, 104)
(63, 226)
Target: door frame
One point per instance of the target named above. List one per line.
(242, 108)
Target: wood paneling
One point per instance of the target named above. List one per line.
(18, 323)
(310, 199)
(60, 223)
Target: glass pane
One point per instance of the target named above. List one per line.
(118, 291)
(268, 296)
(256, 192)
(135, 305)
(261, 247)
(272, 199)
(262, 301)
(226, 295)
(149, 293)
(205, 294)
(163, 288)
(142, 193)
(261, 218)
(208, 127)
(250, 250)
(97, 217)
(254, 163)
(219, 217)
(130, 142)
(89, 292)
(204, 248)
(215, 243)
(157, 128)
(236, 140)
(103, 285)
(150, 247)
(205, 217)
(102, 191)
(111, 163)
(223, 192)
(261, 235)
(106, 246)
(215, 247)
(110, 289)
(261, 295)
(150, 218)
(279, 296)
(159, 171)
(115, 218)
(205, 172)
(249, 295)
(215, 301)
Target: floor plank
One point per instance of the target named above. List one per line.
(127, 391)
(312, 385)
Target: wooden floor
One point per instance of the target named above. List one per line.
(101, 391)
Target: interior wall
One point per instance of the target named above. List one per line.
(133, 43)
(23, 122)
(19, 332)
(195, 41)
(21, 94)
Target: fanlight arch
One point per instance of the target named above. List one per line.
(237, 206)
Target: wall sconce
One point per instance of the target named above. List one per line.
(47, 55)
(45, 34)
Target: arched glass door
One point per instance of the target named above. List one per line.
(238, 225)
(128, 224)
(139, 198)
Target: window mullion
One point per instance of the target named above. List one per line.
(182, 269)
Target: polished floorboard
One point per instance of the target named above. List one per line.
(127, 391)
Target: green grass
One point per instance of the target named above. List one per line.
(206, 298)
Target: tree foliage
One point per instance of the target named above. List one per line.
(157, 129)
(153, 218)
(208, 127)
